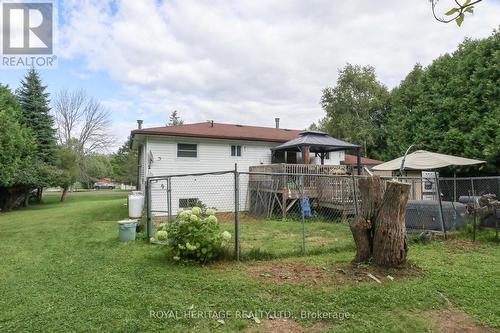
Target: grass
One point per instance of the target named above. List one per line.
(63, 269)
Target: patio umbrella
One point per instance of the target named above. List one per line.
(426, 160)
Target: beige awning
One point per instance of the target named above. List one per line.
(426, 160)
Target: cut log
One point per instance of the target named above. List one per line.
(389, 239)
(371, 191)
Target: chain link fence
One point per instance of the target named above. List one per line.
(281, 214)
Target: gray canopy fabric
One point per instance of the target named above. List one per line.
(426, 160)
(318, 142)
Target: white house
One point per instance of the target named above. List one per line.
(208, 147)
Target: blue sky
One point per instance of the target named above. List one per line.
(244, 61)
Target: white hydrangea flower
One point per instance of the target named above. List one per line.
(193, 218)
(184, 215)
(226, 235)
(196, 211)
(210, 211)
(211, 219)
(162, 235)
(190, 247)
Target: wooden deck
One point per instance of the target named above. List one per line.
(279, 188)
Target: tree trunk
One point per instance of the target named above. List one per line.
(26, 200)
(371, 191)
(379, 228)
(39, 194)
(361, 230)
(389, 240)
(64, 193)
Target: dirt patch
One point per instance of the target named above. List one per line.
(456, 321)
(286, 325)
(244, 218)
(461, 245)
(340, 274)
(318, 240)
(278, 325)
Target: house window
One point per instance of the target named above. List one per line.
(187, 150)
(188, 202)
(235, 150)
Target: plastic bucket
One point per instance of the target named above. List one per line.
(127, 230)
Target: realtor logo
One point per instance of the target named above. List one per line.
(27, 33)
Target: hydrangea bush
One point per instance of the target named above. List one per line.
(195, 235)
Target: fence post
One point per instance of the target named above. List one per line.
(149, 226)
(236, 212)
(302, 211)
(169, 199)
(455, 186)
(354, 194)
(441, 215)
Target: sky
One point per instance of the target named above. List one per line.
(243, 62)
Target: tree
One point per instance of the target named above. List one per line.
(83, 121)
(175, 119)
(67, 163)
(83, 127)
(97, 166)
(451, 106)
(456, 14)
(34, 101)
(124, 163)
(17, 153)
(354, 106)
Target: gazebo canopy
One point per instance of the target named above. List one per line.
(318, 142)
(426, 160)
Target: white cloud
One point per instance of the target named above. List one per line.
(249, 61)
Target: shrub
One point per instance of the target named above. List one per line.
(196, 236)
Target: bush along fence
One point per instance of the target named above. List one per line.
(278, 214)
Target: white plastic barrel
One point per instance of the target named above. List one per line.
(135, 204)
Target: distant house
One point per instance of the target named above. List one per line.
(208, 147)
(104, 180)
(369, 163)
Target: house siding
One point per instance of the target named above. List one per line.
(212, 155)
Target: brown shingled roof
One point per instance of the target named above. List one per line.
(223, 131)
(352, 160)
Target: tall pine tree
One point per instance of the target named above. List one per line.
(34, 101)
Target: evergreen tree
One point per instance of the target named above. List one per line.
(450, 106)
(175, 119)
(34, 101)
(124, 163)
(17, 153)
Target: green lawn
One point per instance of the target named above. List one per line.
(62, 268)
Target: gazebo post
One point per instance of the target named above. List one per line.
(358, 160)
(305, 150)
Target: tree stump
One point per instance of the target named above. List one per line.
(389, 239)
(371, 191)
(379, 228)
